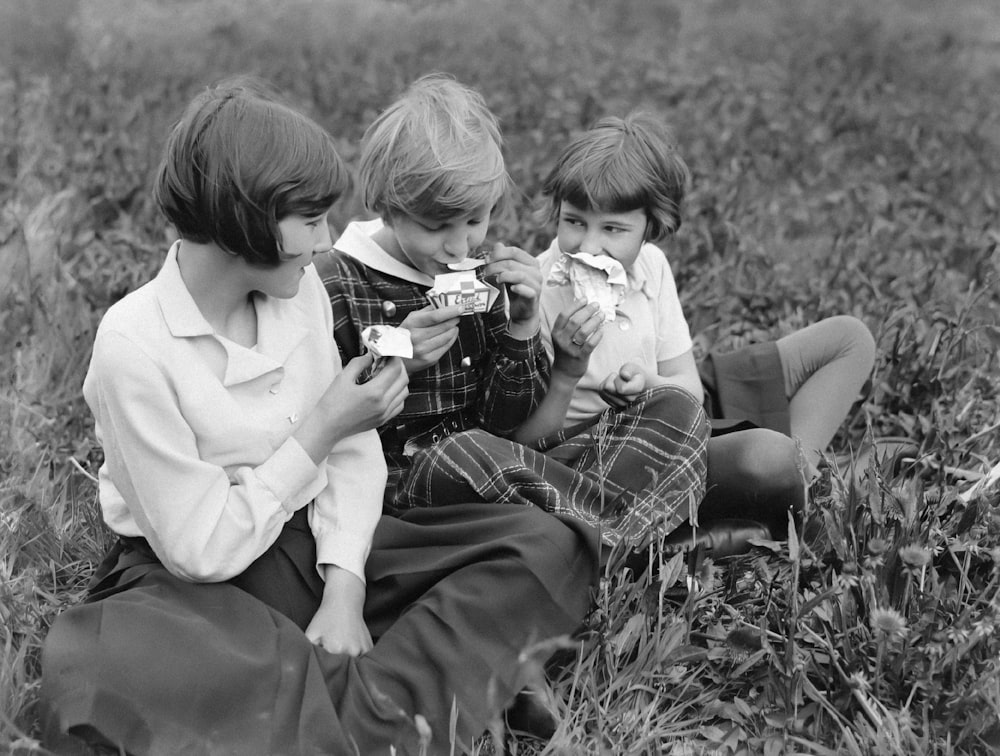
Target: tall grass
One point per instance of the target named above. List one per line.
(845, 160)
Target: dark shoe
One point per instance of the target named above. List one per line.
(529, 716)
(772, 512)
(717, 539)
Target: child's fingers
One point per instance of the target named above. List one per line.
(355, 367)
(629, 371)
(431, 316)
(612, 399)
(525, 290)
(502, 252)
(436, 344)
(585, 324)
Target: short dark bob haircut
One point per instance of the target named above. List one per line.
(620, 165)
(240, 160)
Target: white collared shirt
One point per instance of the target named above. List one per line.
(196, 431)
(656, 329)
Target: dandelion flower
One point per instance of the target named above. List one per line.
(877, 547)
(915, 557)
(888, 622)
(858, 681)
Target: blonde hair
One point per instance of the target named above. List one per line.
(620, 165)
(435, 153)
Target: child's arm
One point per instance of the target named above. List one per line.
(514, 375)
(681, 371)
(575, 335)
(345, 513)
(520, 273)
(339, 623)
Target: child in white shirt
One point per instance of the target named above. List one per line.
(615, 191)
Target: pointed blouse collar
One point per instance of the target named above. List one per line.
(356, 241)
(280, 327)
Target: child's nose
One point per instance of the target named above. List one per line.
(323, 239)
(458, 245)
(591, 244)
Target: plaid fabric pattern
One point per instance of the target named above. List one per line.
(501, 383)
(635, 474)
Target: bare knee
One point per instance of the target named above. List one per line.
(758, 460)
(856, 340)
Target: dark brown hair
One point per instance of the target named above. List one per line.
(240, 160)
(620, 165)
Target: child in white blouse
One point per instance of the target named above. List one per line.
(614, 191)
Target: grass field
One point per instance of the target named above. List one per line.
(846, 160)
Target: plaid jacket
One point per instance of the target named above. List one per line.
(496, 380)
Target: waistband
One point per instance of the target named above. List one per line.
(409, 437)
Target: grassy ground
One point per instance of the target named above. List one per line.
(845, 159)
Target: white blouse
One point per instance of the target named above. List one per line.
(196, 431)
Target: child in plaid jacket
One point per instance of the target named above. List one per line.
(432, 169)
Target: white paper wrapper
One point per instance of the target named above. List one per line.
(384, 341)
(387, 341)
(464, 289)
(469, 263)
(600, 279)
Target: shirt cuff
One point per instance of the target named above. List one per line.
(287, 472)
(346, 550)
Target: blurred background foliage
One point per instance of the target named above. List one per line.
(845, 160)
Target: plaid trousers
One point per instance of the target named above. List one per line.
(635, 474)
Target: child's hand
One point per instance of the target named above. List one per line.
(621, 388)
(339, 625)
(432, 331)
(354, 407)
(575, 334)
(522, 276)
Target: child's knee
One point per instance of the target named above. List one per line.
(856, 340)
(769, 462)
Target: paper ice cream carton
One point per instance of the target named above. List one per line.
(464, 289)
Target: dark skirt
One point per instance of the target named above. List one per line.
(745, 388)
(152, 664)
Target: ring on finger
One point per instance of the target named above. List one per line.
(578, 343)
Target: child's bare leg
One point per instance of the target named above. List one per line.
(825, 366)
(753, 474)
